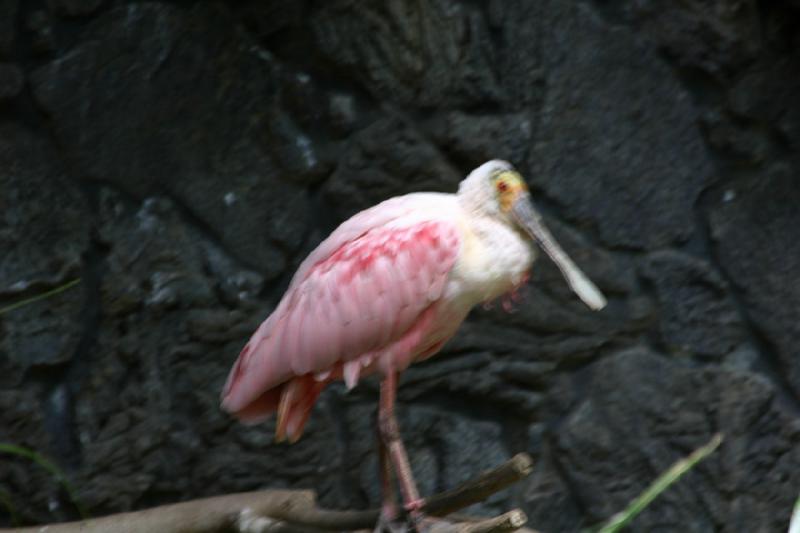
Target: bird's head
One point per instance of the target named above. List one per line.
(495, 189)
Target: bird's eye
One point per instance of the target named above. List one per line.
(502, 186)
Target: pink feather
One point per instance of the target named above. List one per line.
(366, 295)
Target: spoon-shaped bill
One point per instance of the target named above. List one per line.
(529, 219)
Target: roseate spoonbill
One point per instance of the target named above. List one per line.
(389, 287)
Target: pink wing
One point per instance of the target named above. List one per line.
(361, 289)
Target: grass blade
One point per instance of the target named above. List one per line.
(50, 467)
(42, 296)
(676, 471)
(794, 525)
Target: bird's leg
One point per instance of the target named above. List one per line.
(390, 433)
(389, 512)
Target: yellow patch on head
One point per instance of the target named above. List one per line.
(509, 185)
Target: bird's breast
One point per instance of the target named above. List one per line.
(493, 259)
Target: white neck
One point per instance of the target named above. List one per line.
(494, 258)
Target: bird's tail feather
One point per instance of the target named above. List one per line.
(261, 408)
(297, 398)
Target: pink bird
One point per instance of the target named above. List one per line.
(386, 289)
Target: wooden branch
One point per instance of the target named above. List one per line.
(468, 493)
(295, 511)
(249, 522)
(207, 515)
(478, 489)
(510, 521)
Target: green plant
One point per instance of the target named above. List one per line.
(42, 296)
(20, 451)
(51, 469)
(664, 481)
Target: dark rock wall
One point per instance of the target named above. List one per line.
(182, 158)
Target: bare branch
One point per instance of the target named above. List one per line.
(208, 515)
(471, 492)
(478, 489)
(284, 511)
(510, 521)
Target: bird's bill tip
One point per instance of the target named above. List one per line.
(529, 219)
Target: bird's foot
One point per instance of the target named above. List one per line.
(420, 522)
(415, 506)
(416, 521)
(388, 521)
(423, 523)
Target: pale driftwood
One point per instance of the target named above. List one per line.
(207, 515)
(295, 511)
(510, 521)
(505, 523)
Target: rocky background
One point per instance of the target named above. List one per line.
(181, 158)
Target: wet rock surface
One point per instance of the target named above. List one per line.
(177, 67)
(715, 37)
(44, 234)
(430, 54)
(180, 159)
(694, 300)
(603, 87)
(11, 81)
(671, 394)
(752, 229)
(43, 243)
(8, 17)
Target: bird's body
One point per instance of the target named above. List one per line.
(389, 287)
